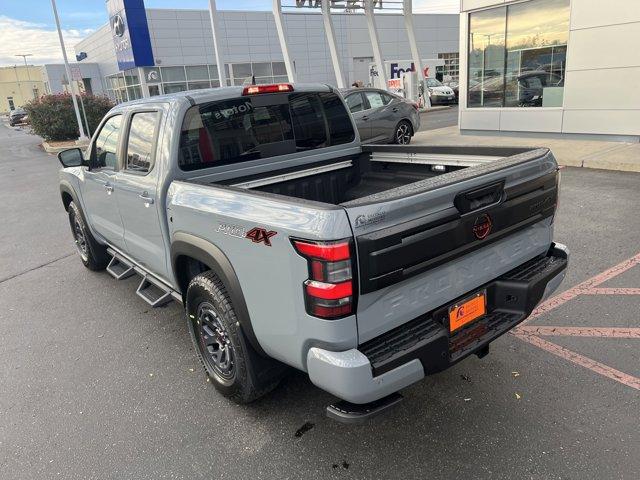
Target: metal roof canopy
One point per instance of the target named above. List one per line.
(368, 7)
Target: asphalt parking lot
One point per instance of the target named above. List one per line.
(440, 118)
(96, 384)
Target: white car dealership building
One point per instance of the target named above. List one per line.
(184, 57)
(552, 66)
(540, 66)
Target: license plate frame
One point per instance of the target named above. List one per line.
(467, 310)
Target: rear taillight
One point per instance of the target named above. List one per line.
(329, 292)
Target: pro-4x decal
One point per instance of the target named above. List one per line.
(260, 235)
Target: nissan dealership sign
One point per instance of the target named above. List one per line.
(130, 32)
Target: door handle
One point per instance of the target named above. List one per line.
(146, 199)
(365, 118)
(108, 188)
(395, 109)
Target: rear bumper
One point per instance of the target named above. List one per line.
(422, 346)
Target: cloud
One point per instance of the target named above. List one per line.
(17, 36)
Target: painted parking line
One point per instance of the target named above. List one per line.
(612, 291)
(578, 359)
(609, 332)
(533, 334)
(584, 287)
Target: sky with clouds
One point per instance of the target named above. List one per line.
(27, 26)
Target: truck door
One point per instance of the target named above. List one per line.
(138, 192)
(98, 191)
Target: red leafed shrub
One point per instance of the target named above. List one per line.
(52, 116)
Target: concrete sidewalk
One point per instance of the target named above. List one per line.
(568, 152)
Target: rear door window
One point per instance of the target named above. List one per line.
(251, 128)
(375, 99)
(140, 142)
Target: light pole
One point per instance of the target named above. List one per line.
(83, 136)
(24, 57)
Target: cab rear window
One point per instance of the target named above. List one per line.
(251, 128)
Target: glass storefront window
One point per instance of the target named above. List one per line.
(131, 77)
(262, 69)
(517, 55)
(174, 87)
(173, 74)
(537, 35)
(198, 85)
(197, 72)
(134, 92)
(486, 57)
(279, 68)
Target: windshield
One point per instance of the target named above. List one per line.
(432, 82)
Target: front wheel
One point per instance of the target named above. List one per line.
(403, 133)
(93, 255)
(229, 361)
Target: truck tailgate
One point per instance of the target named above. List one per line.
(423, 245)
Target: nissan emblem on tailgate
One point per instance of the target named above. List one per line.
(482, 226)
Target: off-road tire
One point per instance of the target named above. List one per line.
(94, 256)
(403, 133)
(253, 374)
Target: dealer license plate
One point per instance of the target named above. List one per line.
(467, 311)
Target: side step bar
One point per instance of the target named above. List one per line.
(152, 290)
(353, 413)
(120, 268)
(152, 293)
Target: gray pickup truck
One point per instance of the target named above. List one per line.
(291, 245)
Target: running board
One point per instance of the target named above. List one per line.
(119, 268)
(353, 413)
(154, 294)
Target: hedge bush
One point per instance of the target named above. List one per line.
(52, 116)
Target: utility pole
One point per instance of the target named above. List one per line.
(24, 57)
(15, 71)
(83, 136)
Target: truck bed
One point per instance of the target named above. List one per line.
(379, 169)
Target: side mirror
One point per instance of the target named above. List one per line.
(71, 158)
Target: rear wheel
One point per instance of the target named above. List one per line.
(229, 360)
(93, 255)
(403, 133)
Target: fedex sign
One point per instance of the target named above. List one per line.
(397, 72)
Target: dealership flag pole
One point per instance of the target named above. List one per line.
(331, 39)
(213, 14)
(415, 55)
(83, 136)
(277, 16)
(381, 79)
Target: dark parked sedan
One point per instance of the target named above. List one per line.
(17, 116)
(382, 117)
